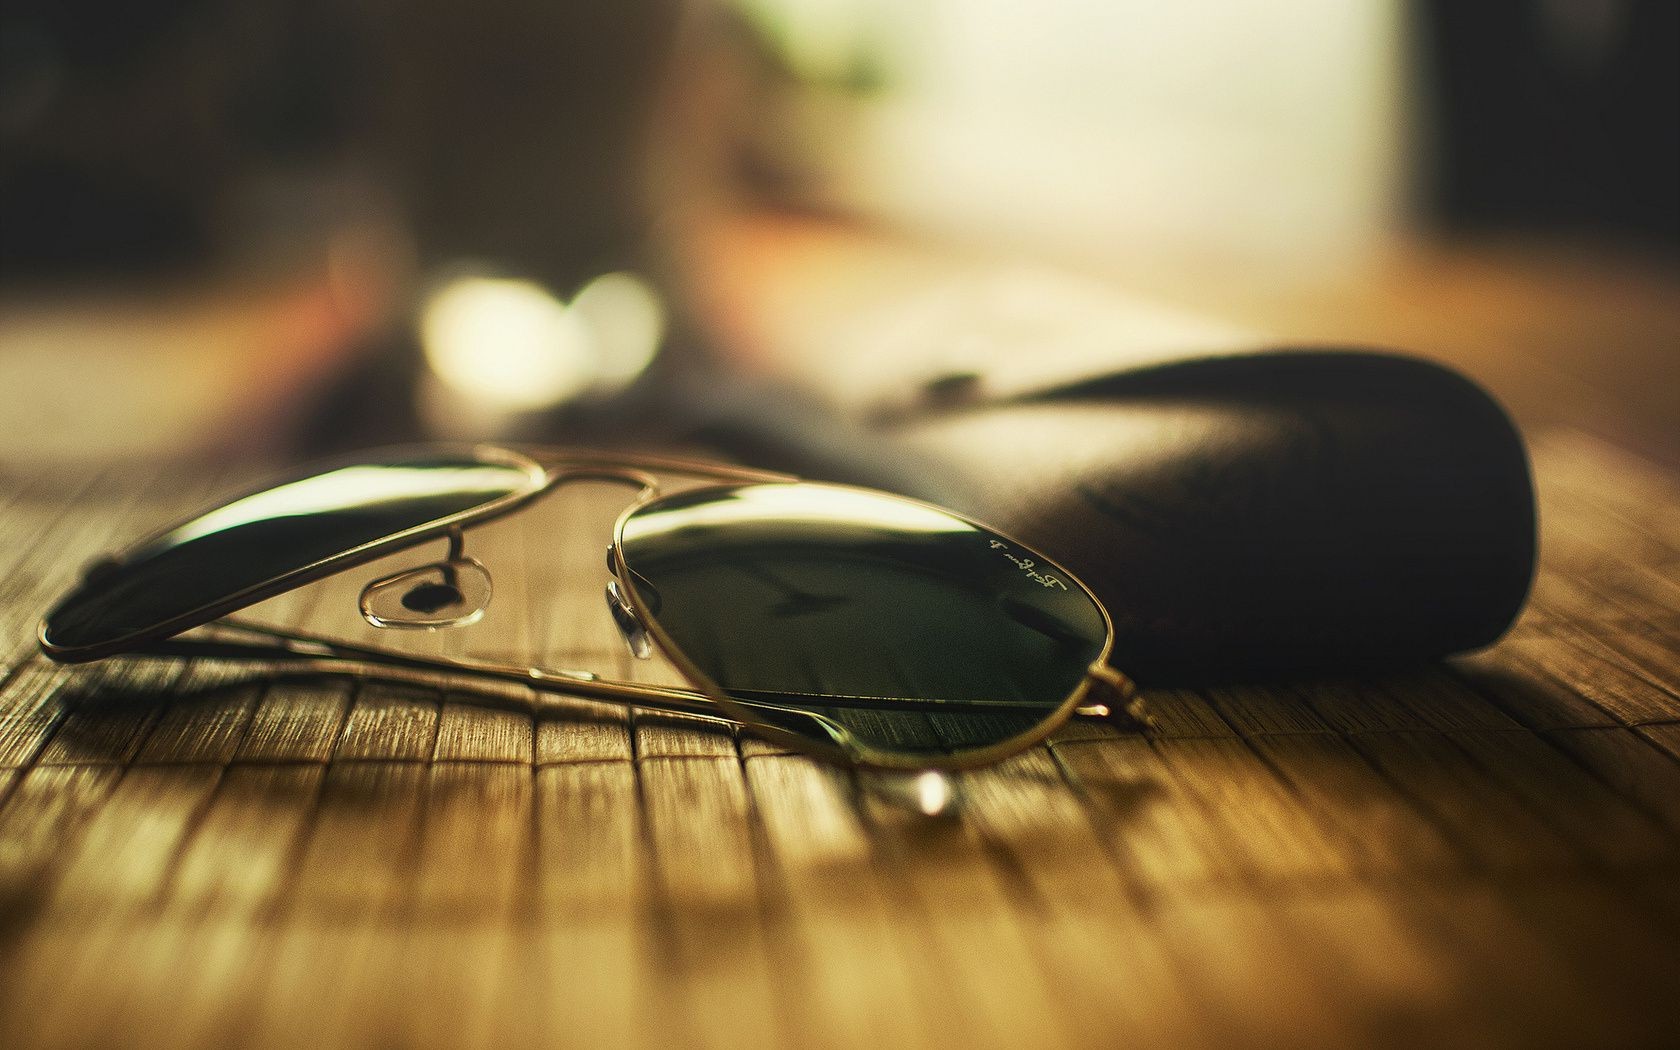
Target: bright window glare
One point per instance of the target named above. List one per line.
(506, 344)
(510, 345)
(627, 321)
(1250, 129)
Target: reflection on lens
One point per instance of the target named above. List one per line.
(913, 631)
(262, 537)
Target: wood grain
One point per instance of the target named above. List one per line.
(1482, 854)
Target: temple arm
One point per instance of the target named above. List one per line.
(298, 652)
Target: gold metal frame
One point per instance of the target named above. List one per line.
(1099, 677)
(1102, 692)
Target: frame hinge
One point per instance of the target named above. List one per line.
(1115, 697)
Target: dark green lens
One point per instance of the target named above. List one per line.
(192, 572)
(912, 630)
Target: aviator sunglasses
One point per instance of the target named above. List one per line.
(851, 623)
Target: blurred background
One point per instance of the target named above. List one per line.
(273, 228)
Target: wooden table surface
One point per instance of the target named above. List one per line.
(1485, 853)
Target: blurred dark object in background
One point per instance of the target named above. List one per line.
(125, 129)
(1275, 512)
(1555, 114)
(144, 139)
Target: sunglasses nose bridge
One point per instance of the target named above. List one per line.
(632, 477)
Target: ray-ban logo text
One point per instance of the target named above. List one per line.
(1028, 566)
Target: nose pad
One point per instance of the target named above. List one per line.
(629, 624)
(450, 593)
